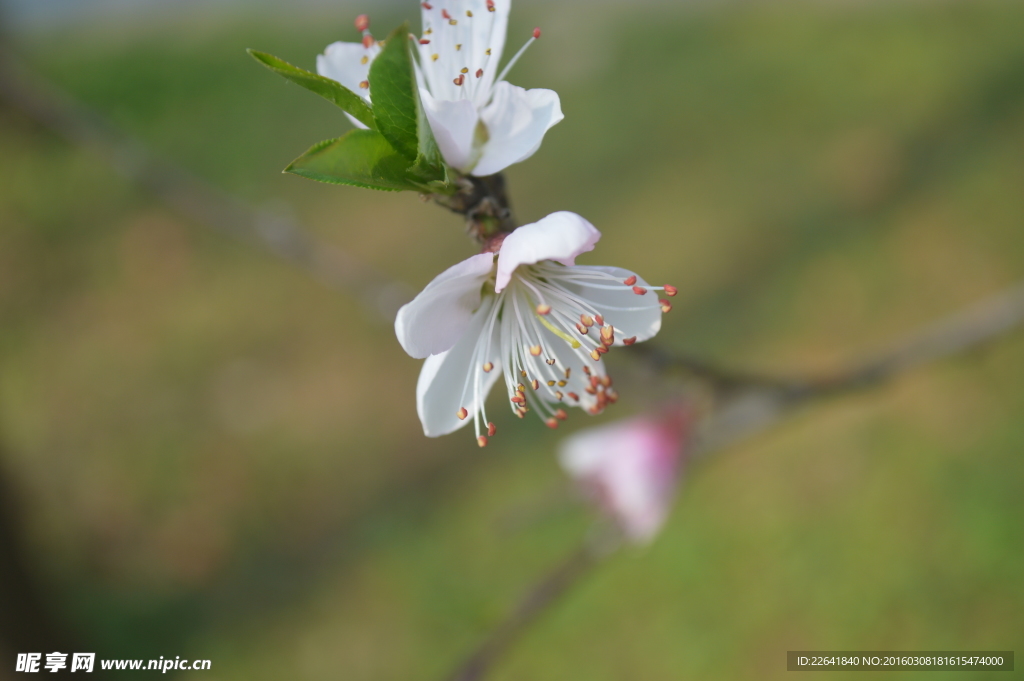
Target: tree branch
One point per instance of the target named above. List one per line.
(194, 198)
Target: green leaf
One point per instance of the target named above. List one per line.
(360, 158)
(330, 90)
(399, 111)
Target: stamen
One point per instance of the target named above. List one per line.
(630, 281)
(424, 41)
(462, 413)
(536, 350)
(427, 6)
(367, 41)
(596, 356)
(568, 372)
(488, 368)
(640, 290)
(479, 73)
(550, 362)
(551, 384)
(582, 329)
(535, 384)
(464, 70)
(551, 423)
(364, 60)
(520, 53)
(599, 319)
(574, 396)
(365, 85)
(460, 80)
(671, 291)
(629, 341)
(492, 430)
(544, 309)
(482, 441)
(666, 305)
(362, 22)
(558, 395)
(490, 5)
(561, 415)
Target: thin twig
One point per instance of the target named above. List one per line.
(567, 574)
(194, 198)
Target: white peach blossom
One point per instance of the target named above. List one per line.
(531, 316)
(482, 123)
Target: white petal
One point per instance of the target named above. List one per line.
(630, 314)
(516, 121)
(446, 381)
(342, 62)
(454, 124)
(560, 237)
(439, 316)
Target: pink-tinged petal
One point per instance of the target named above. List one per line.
(630, 469)
(632, 315)
(560, 237)
(453, 380)
(439, 316)
(454, 124)
(516, 121)
(343, 62)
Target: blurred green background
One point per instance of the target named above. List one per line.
(216, 457)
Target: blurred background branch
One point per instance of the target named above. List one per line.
(50, 107)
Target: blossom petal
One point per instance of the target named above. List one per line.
(454, 124)
(560, 237)
(631, 467)
(439, 316)
(342, 62)
(516, 120)
(446, 382)
(630, 314)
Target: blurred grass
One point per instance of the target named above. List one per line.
(223, 459)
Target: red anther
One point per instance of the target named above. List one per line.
(479, 73)
(536, 33)
(492, 430)
(590, 391)
(490, 5)
(362, 22)
(666, 305)
(561, 415)
(536, 350)
(445, 14)
(640, 290)
(552, 423)
(629, 341)
(630, 281)
(482, 441)
(599, 319)
(612, 396)
(424, 41)
(427, 6)
(586, 369)
(516, 399)
(582, 329)
(586, 320)
(594, 380)
(365, 85)
(596, 356)
(544, 309)
(601, 350)
(574, 396)
(535, 384)
(671, 291)
(606, 381)
(462, 413)
(367, 41)
(460, 80)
